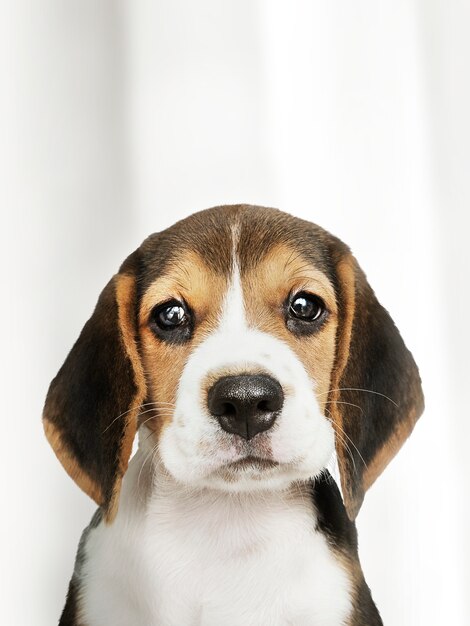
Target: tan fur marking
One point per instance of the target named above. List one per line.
(352, 567)
(266, 288)
(70, 464)
(345, 273)
(125, 297)
(188, 279)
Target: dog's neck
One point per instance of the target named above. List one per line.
(233, 519)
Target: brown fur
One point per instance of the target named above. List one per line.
(70, 464)
(267, 286)
(125, 297)
(346, 294)
(191, 280)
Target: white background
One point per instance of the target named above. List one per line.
(117, 118)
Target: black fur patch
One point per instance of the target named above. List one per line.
(332, 519)
(341, 534)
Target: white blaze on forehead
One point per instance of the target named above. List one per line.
(233, 316)
(233, 311)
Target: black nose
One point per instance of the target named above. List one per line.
(247, 404)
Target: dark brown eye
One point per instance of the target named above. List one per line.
(172, 322)
(306, 307)
(170, 316)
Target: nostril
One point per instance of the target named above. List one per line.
(222, 407)
(228, 409)
(272, 401)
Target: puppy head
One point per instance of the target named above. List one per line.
(251, 345)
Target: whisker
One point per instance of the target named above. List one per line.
(152, 452)
(344, 442)
(139, 406)
(348, 449)
(349, 403)
(307, 279)
(292, 258)
(155, 408)
(152, 417)
(163, 403)
(302, 268)
(143, 464)
(341, 430)
(377, 393)
(133, 408)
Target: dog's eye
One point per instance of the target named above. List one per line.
(306, 308)
(172, 322)
(170, 315)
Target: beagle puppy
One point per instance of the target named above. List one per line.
(246, 349)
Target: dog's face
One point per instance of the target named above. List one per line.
(250, 344)
(247, 355)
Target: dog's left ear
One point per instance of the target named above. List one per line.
(90, 415)
(374, 371)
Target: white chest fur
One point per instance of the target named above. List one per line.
(182, 558)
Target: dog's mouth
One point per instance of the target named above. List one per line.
(249, 468)
(251, 462)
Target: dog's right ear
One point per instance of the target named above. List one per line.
(90, 415)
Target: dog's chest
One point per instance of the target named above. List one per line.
(221, 561)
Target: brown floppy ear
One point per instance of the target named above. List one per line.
(376, 372)
(90, 415)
